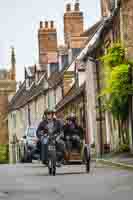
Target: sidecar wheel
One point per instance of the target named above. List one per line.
(87, 166)
(53, 167)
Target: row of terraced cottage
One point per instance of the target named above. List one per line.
(69, 78)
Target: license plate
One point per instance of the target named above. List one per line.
(51, 148)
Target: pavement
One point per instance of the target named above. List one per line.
(31, 181)
(123, 160)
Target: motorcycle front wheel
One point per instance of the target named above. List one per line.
(52, 167)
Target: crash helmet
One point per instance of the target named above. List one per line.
(48, 111)
(71, 117)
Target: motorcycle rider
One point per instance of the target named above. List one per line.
(51, 125)
(73, 133)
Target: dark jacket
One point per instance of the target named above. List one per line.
(43, 127)
(68, 131)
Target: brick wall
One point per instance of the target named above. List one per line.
(73, 23)
(47, 40)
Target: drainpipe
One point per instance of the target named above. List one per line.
(29, 119)
(84, 109)
(76, 74)
(99, 109)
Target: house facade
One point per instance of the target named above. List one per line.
(102, 128)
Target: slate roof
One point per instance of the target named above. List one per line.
(23, 96)
(92, 30)
(55, 79)
(70, 96)
(94, 43)
(18, 98)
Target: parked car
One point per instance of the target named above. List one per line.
(27, 144)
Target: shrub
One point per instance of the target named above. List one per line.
(4, 153)
(124, 148)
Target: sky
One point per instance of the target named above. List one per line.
(19, 22)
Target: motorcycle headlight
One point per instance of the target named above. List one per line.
(54, 142)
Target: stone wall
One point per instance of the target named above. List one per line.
(127, 39)
(3, 120)
(127, 25)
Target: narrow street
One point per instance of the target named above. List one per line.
(31, 181)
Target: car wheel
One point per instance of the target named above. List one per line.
(28, 158)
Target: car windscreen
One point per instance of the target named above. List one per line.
(31, 132)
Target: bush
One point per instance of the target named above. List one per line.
(4, 153)
(124, 148)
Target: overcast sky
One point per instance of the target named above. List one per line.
(19, 21)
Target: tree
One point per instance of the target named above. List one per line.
(118, 88)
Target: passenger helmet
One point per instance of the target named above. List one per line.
(71, 117)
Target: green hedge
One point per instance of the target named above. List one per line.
(4, 153)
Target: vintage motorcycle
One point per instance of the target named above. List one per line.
(49, 152)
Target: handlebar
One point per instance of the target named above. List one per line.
(43, 133)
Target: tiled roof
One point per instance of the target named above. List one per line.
(90, 31)
(71, 95)
(56, 77)
(24, 96)
(18, 98)
(104, 27)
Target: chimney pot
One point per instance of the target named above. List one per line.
(77, 6)
(52, 24)
(41, 24)
(68, 7)
(46, 24)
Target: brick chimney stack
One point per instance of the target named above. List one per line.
(105, 8)
(47, 40)
(73, 22)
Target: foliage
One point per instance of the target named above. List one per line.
(117, 85)
(4, 153)
(124, 148)
(114, 56)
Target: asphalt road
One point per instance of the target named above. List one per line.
(31, 181)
